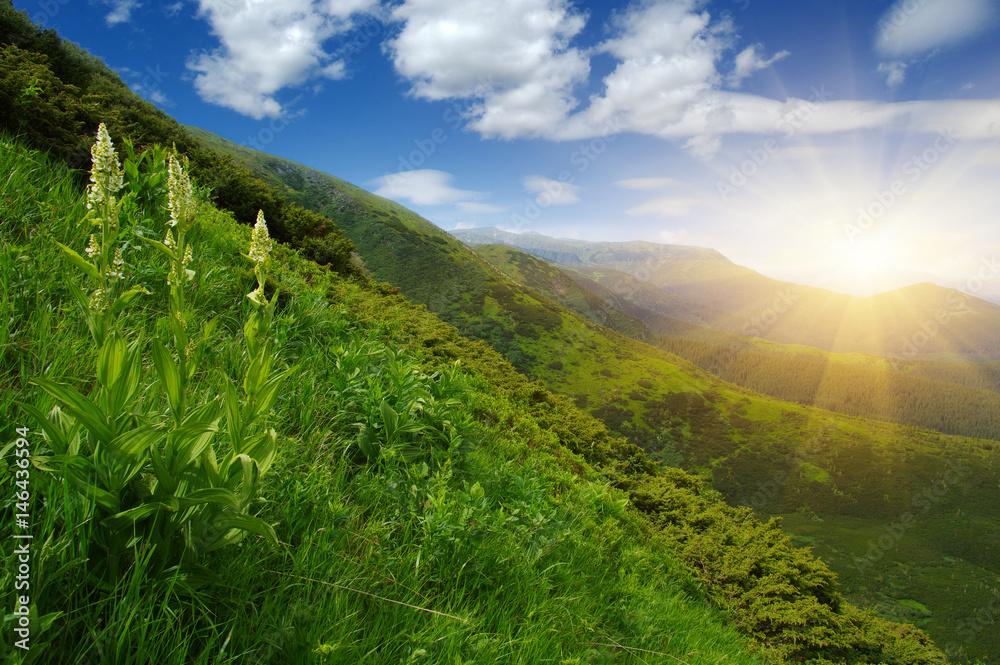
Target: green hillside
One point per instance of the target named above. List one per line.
(954, 399)
(780, 459)
(512, 526)
(558, 286)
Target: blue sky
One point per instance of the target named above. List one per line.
(843, 143)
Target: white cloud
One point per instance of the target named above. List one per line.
(914, 27)
(551, 192)
(265, 47)
(647, 184)
(426, 187)
(667, 56)
(513, 57)
(895, 73)
(748, 62)
(665, 206)
(121, 11)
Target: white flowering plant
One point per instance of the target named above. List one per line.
(150, 480)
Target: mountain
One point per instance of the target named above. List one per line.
(561, 288)
(804, 465)
(412, 464)
(912, 321)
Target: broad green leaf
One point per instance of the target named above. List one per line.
(80, 470)
(83, 264)
(167, 372)
(269, 392)
(127, 518)
(127, 386)
(263, 448)
(191, 438)
(167, 251)
(53, 433)
(79, 407)
(233, 418)
(111, 360)
(124, 299)
(165, 479)
(131, 443)
(218, 495)
(257, 373)
(251, 524)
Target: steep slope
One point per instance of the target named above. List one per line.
(805, 465)
(375, 391)
(548, 280)
(917, 320)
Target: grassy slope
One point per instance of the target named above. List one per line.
(557, 285)
(868, 473)
(768, 589)
(504, 546)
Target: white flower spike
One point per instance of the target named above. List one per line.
(106, 173)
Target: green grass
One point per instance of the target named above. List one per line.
(483, 547)
(681, 415)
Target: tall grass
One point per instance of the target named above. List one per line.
(407, 531)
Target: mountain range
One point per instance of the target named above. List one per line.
(678, 353)
(834, 480)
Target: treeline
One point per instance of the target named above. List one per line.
(53, 95)
(963, 406)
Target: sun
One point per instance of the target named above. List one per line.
(867, 257)
(867, 260)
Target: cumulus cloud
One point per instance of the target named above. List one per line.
(551, 192)
(914, 28)
(748, 61)
(265, 47)
(121, 11)
(427, 187)
(512, 58)
(894, 72)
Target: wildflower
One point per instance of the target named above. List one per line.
(169, 240)
(106, 174)
(258, 296)
(260, 241)
(180, 197)
(188, 255)
(98, 300)
(93, 247)
(117, 269)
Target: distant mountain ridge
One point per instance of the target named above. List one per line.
(904, 323)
